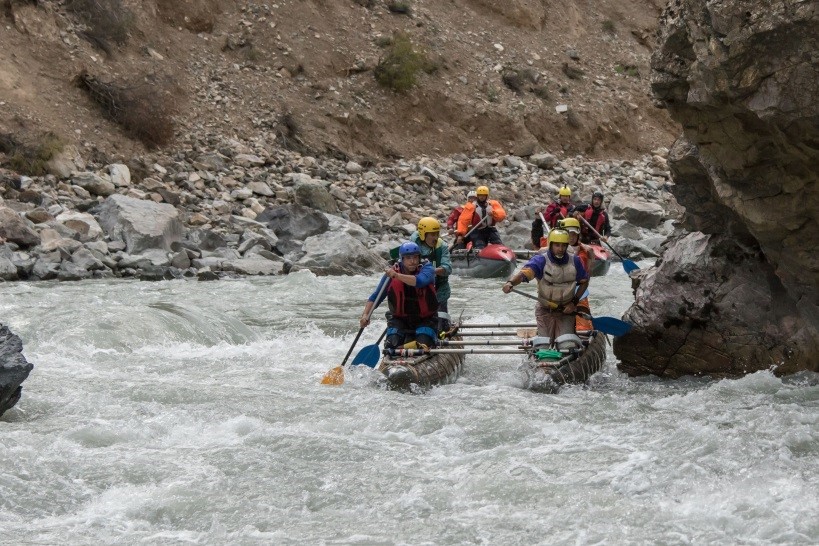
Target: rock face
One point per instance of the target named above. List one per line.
(713, 307)
(14, 368)
(742, 78)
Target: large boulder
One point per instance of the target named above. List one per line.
(141, 224)
(636, 212)
(336, 253)
(83, 223)
(742, 81)
(15, 229)
(713, 307)
(316, 196)
(290, 222)
(14, 368)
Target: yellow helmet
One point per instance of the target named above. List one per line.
(569, 224)
(565, 191)
(558, 236)
(482, 190)
(426, 225)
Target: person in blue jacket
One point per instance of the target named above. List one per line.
(413, 302)
(428, 239)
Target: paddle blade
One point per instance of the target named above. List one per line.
(368, 356)
(611, 326)
(334, 376)
(630, 266)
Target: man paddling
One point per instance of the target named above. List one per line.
(484, 213)
(561, 279)
(428, 239)
(596, 216)
(413, 303)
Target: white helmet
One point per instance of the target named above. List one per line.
(471, 194)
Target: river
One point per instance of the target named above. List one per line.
(191, 412)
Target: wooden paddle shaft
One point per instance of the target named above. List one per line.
(601, 237)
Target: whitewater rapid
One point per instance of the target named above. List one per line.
(191, 412)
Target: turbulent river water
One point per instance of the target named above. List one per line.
(191, 412)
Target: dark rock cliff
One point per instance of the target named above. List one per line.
(14, 368)
(742, 78)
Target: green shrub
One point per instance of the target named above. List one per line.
(398, 69)
(628, 70)
(542, 92)
(383, 41)
(399, 6)
(31, 160)
(492, 94)
(608, 27)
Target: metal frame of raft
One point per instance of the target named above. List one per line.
(424, 368)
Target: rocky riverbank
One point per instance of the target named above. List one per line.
(248, 208)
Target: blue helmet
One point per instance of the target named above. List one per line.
(407, 249)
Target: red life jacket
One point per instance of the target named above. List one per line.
(564, 213)
(452, 221)
(599, 223)
(410, 302)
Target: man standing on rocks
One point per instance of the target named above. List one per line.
(596, 216)
(484, 213)
(433, 249)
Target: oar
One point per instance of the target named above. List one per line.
(468, 233)
(500, 325)
(484, 342)
(628, 265)
(370, 354)
(336, 375)
(607, 325)
(495, 333)
(419, 352)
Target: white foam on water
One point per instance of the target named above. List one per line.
(192, 412)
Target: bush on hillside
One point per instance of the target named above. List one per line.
(145, 110)
(399, 68)
(30, 159)
(107, 21)
(402, 7)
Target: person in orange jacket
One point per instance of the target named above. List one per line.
(452, 220)
(484, 211)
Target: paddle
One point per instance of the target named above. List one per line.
(628, 265)
(468, 233)
(336, 375)
(607, 325)
(370, 354)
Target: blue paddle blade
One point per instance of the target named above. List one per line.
(611, 326)
(630, 266)
(367, 356)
